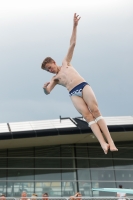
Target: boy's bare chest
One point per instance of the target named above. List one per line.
(66, 76)
(63, 74)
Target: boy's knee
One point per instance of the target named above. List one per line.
(95, 112)
(87, 116)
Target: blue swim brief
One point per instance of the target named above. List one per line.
(77, 90)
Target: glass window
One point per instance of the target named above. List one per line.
(55, 170)
(3, 187)
(47, 163)
(123, 153)
(3, 152)
(83, 174)
(67, 163)
(69, 188)
(52, 188)
(68, 174)
(85, 188)
(124, 175)
(103, 185)
(123, 164)
(95, 152)
(3, 162)
(3, 159)
(67, 151)
(47, 151)
(47, 174)
(82, 163)
(101, 163)
(82, 151)
(20, 174)
(3, 174)
(14, 189)
(21, 152)
(102, 174)
(21, 162)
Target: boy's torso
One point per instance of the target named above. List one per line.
(68, 77)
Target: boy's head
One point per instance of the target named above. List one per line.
(23, 194)
(78, 196)
(46, 60)
(2, 197)
(45, 196)
(50, 65)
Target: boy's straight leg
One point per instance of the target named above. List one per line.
(90, 100)
(82, 108)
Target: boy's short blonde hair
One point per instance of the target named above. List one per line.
(46, 60)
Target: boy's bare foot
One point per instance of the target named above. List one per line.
(112, 146)
(105, 148)
(113, 149)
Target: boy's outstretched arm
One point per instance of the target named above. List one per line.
(69, 55)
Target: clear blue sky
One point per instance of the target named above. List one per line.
(34, 29)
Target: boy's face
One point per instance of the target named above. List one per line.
(23, 194)
(79, 196)
(45, 197)
(3, 198)
(51, 67)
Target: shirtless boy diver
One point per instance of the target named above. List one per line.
(80, 92)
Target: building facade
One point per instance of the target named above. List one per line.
(67, 165)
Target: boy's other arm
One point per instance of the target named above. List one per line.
(69, 55)
(49, 86)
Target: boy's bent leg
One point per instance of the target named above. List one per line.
(82, 108)
(90, 100)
